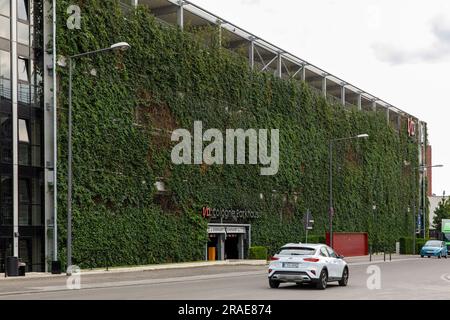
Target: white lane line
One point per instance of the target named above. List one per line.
(375, 262)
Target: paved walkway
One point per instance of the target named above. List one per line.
(361, 260)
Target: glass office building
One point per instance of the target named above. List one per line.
(21, 133)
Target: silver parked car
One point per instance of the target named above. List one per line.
(307, 263)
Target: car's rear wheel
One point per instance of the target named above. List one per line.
(323, 280)
(421, 256)
(344, 280)
(274, 283)
(440, 255)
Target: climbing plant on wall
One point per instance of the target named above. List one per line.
(125, 111)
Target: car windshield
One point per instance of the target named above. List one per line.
(297, 251)
(433, 244)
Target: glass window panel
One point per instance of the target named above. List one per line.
(22, 9)
(24, 154)
(5, 127)
(23, 33)
(22, 66)
(5, 64)
(24, 191)
(4, 27)
(23, 131)
(36, 156)
(6, 190)
(4, 7)
(36, 132)
(24, 214)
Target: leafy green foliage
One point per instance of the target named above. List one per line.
(257, 253)
(123, 117)
(441, 212)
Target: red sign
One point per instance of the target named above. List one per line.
(206, 212)
(411, 127)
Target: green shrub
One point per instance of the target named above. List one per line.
(406, 244)
(257, 253)
(316, 239)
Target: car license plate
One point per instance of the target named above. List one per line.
(290, 265)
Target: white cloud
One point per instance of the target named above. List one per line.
(437, 51)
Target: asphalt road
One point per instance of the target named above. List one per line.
(403, 279)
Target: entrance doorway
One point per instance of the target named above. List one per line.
(231, 241)
(232, 247)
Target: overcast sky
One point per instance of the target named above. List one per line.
(396, 50)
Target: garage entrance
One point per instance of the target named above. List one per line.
(227, 241)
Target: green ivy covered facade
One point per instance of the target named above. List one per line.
(127, 104)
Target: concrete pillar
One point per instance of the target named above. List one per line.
(359, 103)
(221, 247)
(324, 86)
(219, 31)
(241, 246)
(387, 114)
(279, 65)
(303, 73)
(251, 53)
(374, 105)
(343, 94)
(180, 14)
(15, 136)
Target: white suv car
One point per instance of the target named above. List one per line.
(307, 263)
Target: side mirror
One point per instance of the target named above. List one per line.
(340, 257)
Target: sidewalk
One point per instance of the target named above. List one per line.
(360, 260)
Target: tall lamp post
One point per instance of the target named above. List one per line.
(117, 46)
(423, 169)
(331, 210)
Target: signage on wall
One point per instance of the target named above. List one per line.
(224, 214)
(411, 127)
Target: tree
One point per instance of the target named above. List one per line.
(441, 212)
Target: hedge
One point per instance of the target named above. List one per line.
(406, 244)
(258, 253)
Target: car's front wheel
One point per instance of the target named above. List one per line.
(323, 280)
(344, 280)
(274, 283)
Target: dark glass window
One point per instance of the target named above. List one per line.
(23, 33)
(22, 9)
(23, 69)
(6, 201)
(24, 202)
(5, 139)
(5, 64)
(4, 7)
(4, 27)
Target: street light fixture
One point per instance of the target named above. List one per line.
(117, 46)
(331, 210)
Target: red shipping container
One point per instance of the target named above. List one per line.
(350, 244)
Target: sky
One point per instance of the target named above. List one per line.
(396, 50)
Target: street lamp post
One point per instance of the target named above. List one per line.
(423, 169)
(331, 209)
(116, 46)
